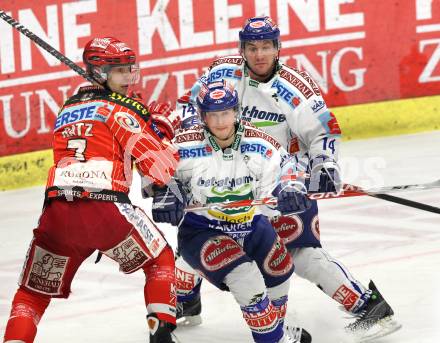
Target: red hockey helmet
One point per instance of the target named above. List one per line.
(100, 54)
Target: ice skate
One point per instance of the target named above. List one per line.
(160, 331)
(294, 334)
(375, 319)
(188, 312)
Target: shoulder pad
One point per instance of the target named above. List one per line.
(300, 80)
(294, 78)
(310, 81)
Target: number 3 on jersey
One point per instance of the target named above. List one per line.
(79, 145)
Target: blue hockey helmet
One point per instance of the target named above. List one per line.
(260, 28)
(216, 96)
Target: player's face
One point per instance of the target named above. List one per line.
(222, 125)
(121, 78)
(260, 56)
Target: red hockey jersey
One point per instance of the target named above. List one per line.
(98, 135)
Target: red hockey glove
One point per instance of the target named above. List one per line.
(167, 120)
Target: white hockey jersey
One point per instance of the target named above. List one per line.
(249, 169)
(289, 107)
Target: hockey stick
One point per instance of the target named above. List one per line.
(348, 191)
(406, 202)
(47, 47)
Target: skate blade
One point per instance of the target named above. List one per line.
(189, 321)
(174, 338)
(383, 327)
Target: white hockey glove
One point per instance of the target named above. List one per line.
(324, 176)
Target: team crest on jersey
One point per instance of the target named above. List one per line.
(218, 252)
(128, 122)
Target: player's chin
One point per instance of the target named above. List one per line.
(262, 69)
(222, 134)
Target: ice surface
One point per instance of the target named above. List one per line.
(396, 246)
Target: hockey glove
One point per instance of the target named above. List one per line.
(290, 200)
(167, 120)
(168, 203)
(324, 176)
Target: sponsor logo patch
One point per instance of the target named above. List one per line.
(289, 228)
(128, 122)
(278, 261)
(346, 297)
(255, 113)
(148, 232)
(198, 151)
(218, 252)
(231, 60)
(47, 270)
(129, 254)
(311, 82)
(256, 148)
(292, 79)
(185, 281)
(73, 114)
(221, 73)
(217, 94)
(318, 105)
(315, 227)
(262, 321)
(189, 137)
(260, 134)
(257, 24)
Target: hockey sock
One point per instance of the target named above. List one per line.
(262, 319)
(159, 289)
(27, 310)
(280, 306)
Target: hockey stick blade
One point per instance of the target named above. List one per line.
(44, 45)
(348, 191)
